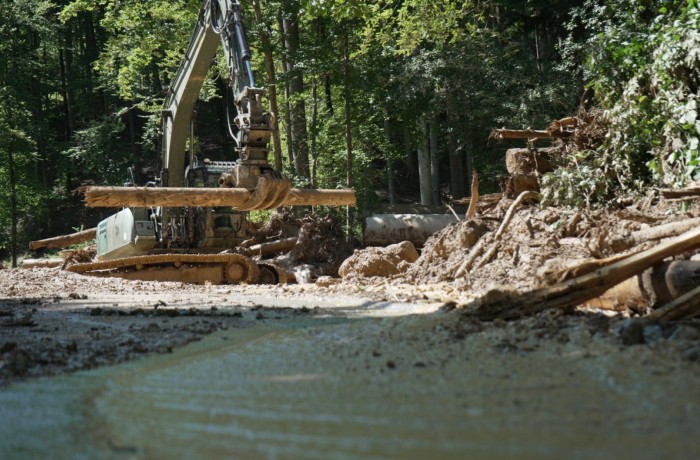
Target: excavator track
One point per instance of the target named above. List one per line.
(273, 274)
(184, 268)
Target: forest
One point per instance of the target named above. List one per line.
(371, 95)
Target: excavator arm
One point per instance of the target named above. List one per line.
(219, 22)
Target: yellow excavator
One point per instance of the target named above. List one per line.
(186, 225)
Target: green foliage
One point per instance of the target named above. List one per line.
(96, 152)
(643, 61)
(145, 43)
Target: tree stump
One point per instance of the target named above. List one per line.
(527, 165)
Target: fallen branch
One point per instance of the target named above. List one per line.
(571, 293)
(689, 192)
(42, 263)
(582, 268)
(64, 240)
(272, 247)
(475, 252)
(527, 134)
(529, 195)
(653, 234)
(685, 306)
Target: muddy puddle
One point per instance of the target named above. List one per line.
(336, 388)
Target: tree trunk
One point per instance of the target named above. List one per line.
(348, 120)
(287, 105)
(314, 132)
(389, 166)
(13, 203)
(457, 182)
(434, 162)
(426, 197)
(183, 197)
(272, 84)
(300, 145)
(410, 156)
(329, 98)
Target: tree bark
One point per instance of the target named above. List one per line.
(389, 166)
(410, 156)
(64, 240)
(182, 197)
(272, 84)
(314, 132)
(426, 197)
(300, 145)
(348, 119)
(457, 182)
(13, 203)
(434, 162)
(287, 104)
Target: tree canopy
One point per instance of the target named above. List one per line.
(362, 90)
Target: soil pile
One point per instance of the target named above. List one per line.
(374, 261)
(536, 242)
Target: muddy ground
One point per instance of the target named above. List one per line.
(53, 321)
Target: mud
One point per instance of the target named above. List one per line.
(375, 261)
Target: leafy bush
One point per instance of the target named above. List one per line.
(643, 61)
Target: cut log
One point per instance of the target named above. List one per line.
(64, 240)
(685, 306)
(527, 134)
(690, 192)
(571, 293)
(531, 161)
(657, 285)
(527, 165)
(653, 234)
(272, 247)
(144, 197)
(42, 263)
(386, 229)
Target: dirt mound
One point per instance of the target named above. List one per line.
(536, 242)
(373, 261)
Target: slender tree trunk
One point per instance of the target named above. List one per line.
(13, 202)
(389, 167)
(348, 119)
(329, 98)
(272, 84)
(296, 89)
(410, 155)
(288, 106)
(457, 182)
(314, 132)
(434, 162)
(68, 123)
(426, 196)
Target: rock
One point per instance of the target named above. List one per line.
(692, 354)
(326, 281)
(631, 332)
(373, 261)
(652, 333)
